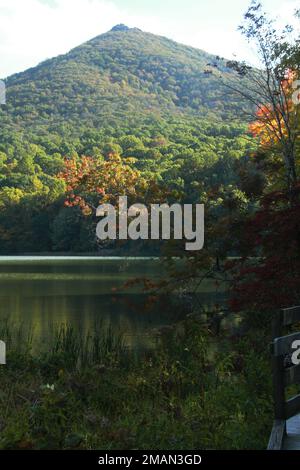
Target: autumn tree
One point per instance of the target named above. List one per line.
(267, 277)
(270, 87)
(91, 181)
(259, 226)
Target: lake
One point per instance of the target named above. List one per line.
(45, 292)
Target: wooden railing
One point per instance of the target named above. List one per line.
(284, 374)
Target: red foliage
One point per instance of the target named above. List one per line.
(270, 125)
(91, 181)
(269, 277)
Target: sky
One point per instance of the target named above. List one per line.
(34, 30)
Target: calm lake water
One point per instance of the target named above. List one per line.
(44, 292)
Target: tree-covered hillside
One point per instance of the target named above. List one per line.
(127, 93)
(124, 73)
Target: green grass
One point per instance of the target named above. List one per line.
(92, 393)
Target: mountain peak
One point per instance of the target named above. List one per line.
(118, 74)
(120, 27)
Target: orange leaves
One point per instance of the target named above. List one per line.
(91, 181)
(268, 127)
(273, 118)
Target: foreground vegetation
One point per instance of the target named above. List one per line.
(186, 394)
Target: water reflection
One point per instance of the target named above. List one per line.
(45, 293)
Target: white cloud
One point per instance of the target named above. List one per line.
(34, 30)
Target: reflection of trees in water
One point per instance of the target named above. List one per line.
(81, 295)
(134, 315)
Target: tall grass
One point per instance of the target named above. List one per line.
(18, 337)
(66, 344)
(96, 346)
(81, 393)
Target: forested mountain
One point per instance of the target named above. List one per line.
(124, 73)
(125, 92)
